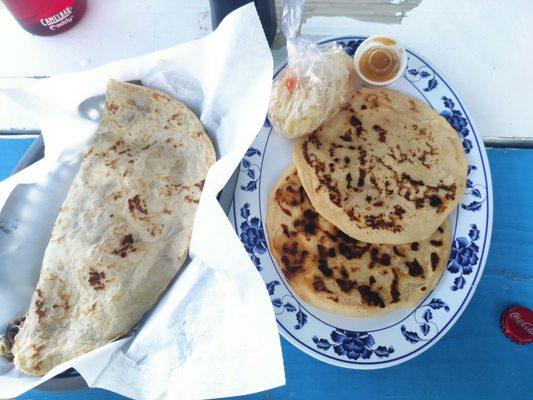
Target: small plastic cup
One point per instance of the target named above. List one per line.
(369, 51)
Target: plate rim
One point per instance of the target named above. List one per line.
(385, 363)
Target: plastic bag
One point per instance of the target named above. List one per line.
(317, 82)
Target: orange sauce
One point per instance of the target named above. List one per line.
(379, 63)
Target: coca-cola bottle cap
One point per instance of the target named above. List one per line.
(517, 324)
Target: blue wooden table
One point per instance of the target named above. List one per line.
(473, 361)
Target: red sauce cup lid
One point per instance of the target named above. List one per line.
(517, 324)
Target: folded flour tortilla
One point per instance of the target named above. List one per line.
(123, 231)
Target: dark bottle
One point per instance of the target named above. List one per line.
(265, 8)
(46, 17)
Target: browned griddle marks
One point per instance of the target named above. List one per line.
(39, 305)
(394, 292)
(362, 175)
(354, 121)
(379, 222)
(310, 226)
(399, 211)
(96, 279)
(126, 246)
(382, 133)
(200, 185)
(346, 285)
(435, 201)
(137, 204)
(346, 136)
(415, 269)
(434, 261)
(397, 251)
(320, 286)
(323, 261)
(292, 258)
(348, 180)
(313, 138)
(383, 258)
(370, 297)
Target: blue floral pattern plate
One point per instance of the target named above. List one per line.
(367, 343)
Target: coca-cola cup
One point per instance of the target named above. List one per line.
(47, 17)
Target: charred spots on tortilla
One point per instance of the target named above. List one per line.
(397, 251)
(412, 106)
(361, 179)
(379, 203)
(394, 292)
(373, 100)
(414, 246)
(354, 121)
(434, 261)
(440, 229)
(96, 279)
(383, 258)
(320, 286)
(379, 222)
(293, 259)
(382, 133)
(200, 184)
(310, 223)
(412, 181)
(37, 350)
(112, 107)
(126, 246)
(346, 136)
(419, 202)
(399, 211)
(436, 243)
(333, 298)
(331, 167)
(310, 228)
(346, 285)
(415, 269)
(368, 198)
(344, 273)
(351, 251)
(353, 215)
(175, 117)
(40, 309)
(323, 262)
(348, 180)
(423, 288)
(363, 107)
(435, 201)
(191, 200)
(370, 297)
(285, 230)
(374, 182)
(313, 138)
(371, 280)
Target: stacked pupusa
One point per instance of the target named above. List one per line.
(358, 223)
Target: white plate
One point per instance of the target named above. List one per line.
(369, 343)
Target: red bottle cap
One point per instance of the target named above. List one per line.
(517, 324)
